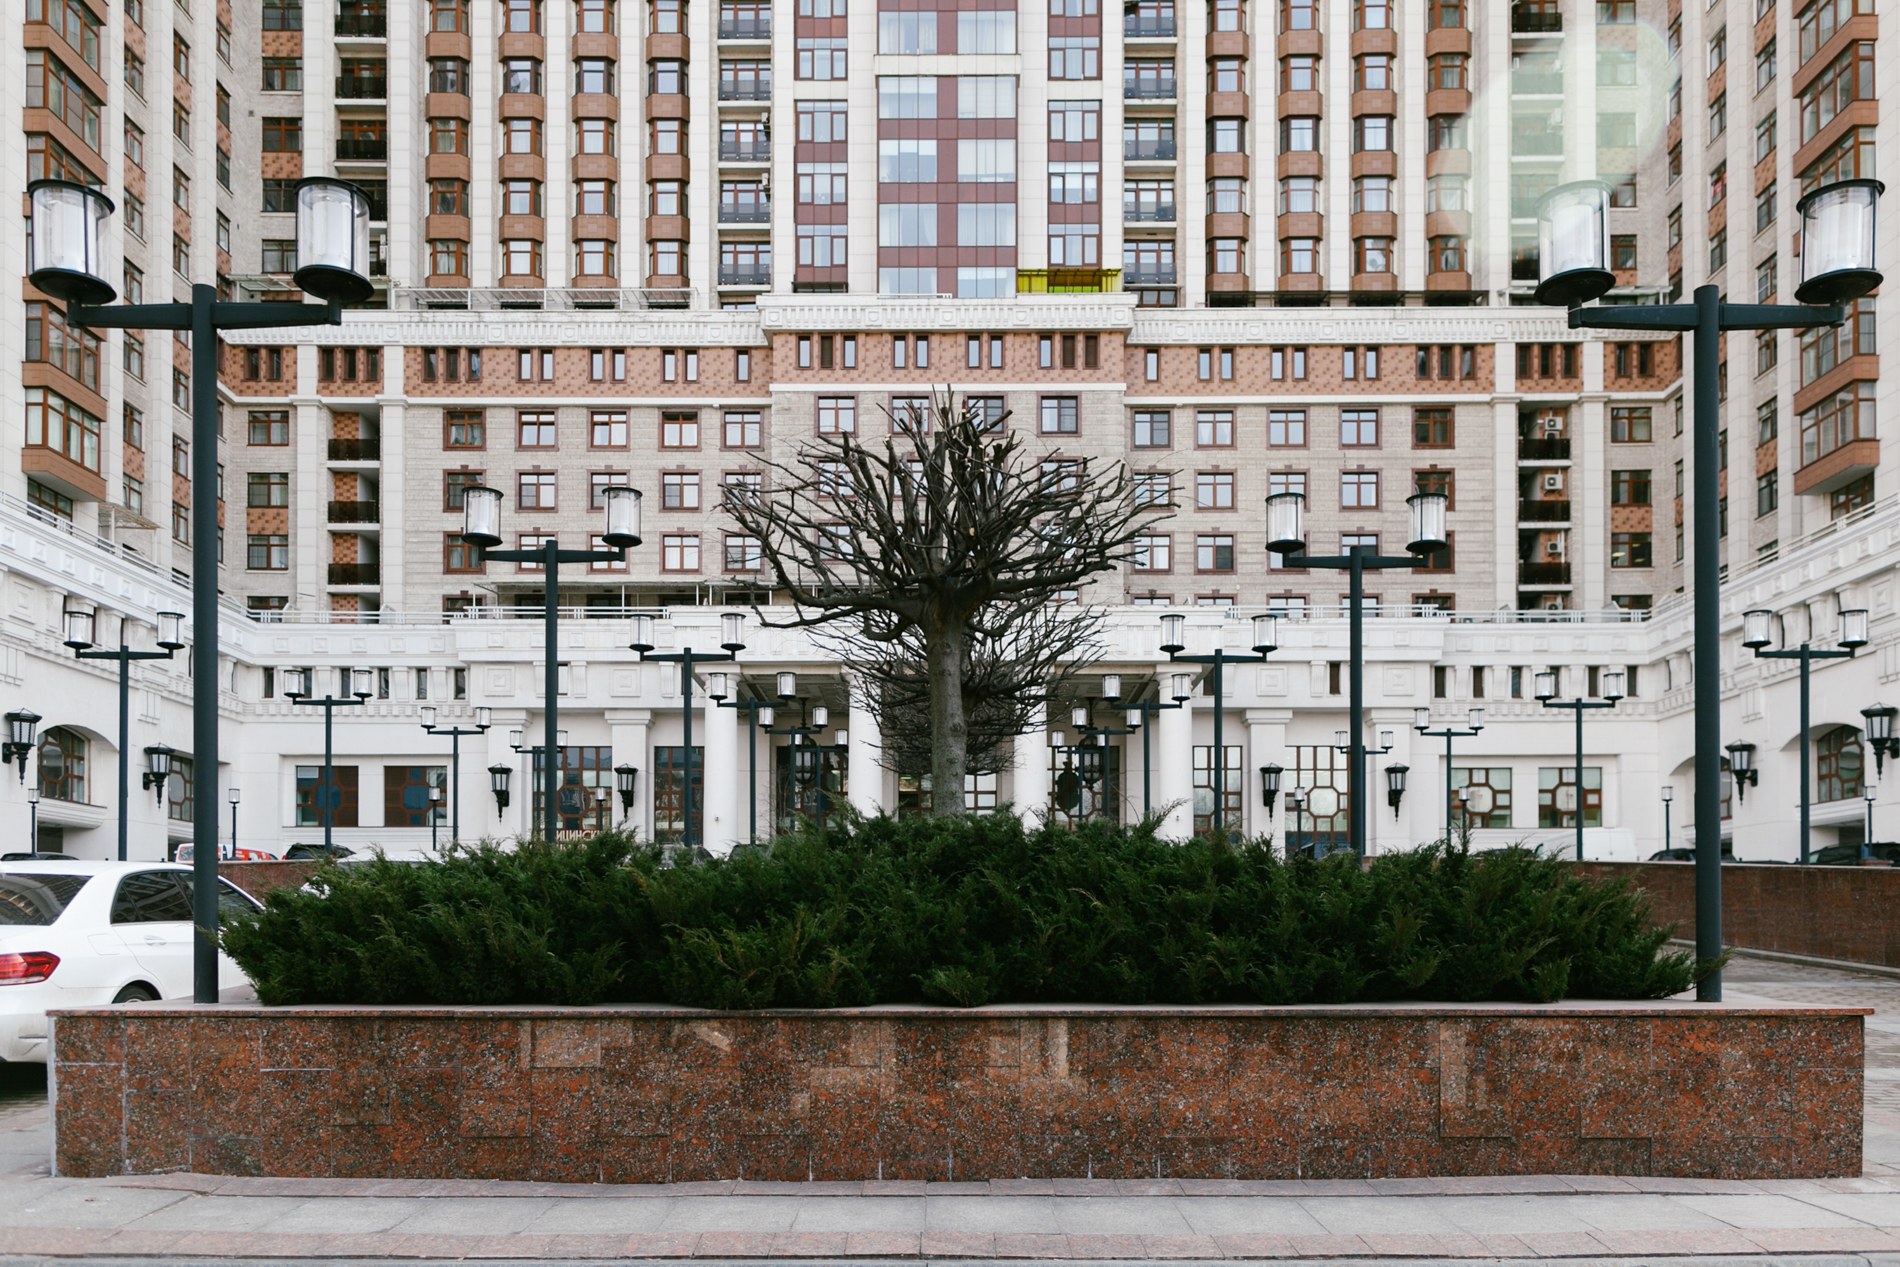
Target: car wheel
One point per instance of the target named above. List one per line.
(135, 994)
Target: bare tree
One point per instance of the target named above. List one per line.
(957, 556)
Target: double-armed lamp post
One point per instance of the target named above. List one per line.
(1422, 723)
(1837, 267)
(66, 259)
(1544, 687)
(1141, 715)
(718, 691)
(1286, 537)
(80, 631)
(1758, 632)
(327, 794)
(455, 733)
(732, 626)
(481, 528)
(1265, 640)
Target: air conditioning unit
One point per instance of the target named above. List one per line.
(1553, 483)
(1553, 424)
(1554, 548)
(1553, 605)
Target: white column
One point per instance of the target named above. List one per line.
(866, 775)
(493, 749)
(627, 732)
(724, 819)
(1174, 770)
(1029, 772)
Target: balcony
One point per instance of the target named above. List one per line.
(1147, 26)
(1529, 573)
(1153, 275)
(745, 212)
(362, 149)
(1526, 84)
(742, 276)
(1148, 90)
(370, 450)
(1539, 143)
(1553, 511)
(355, 512)
(759, 28)
(1543, 449)
(356, 573)
(1148, 151)
(1150, 213)
(745, 90)
(1536, 22)
(371, 25)
(745, 151)
(361, 88)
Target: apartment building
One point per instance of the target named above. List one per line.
(671, 243)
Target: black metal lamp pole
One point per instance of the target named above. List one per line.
(1668, 800)
(1837, 266)
(1756, 628)
(327, 795)
(1286, 536)
(546, 770)
(1265, 639)
(455, 733)
(67, 261)
(1422, 723)
(80, 629)
(1343, 742)
(817, 721)
(1544, 687)
(481, 528)
(732, 625)
(232, 796)
(1083, 719)
(1868, 793)
(786, 684)
(1141, 715)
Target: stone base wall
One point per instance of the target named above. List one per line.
(1846, 913)
(639, 1095)
(261, 879)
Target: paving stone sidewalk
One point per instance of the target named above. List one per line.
(1580, 1219)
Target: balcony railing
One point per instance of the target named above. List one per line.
(1148, 213)
(759, 28)
(1529, 573)
(361, 87)
(1527, 84)
(342, 512)
(1147, 151)
(1554, 511)
(370, 450)
(1161, 275)
(1536, 22)
(362, 148)
(1523, 143)
(1147, 26)
(744, 212)
(356, 573)
(745, 90)
(1541, 448)
(1148, 89)
(744, 276)
(370, 24)
(745, 151)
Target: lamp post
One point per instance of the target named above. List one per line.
(1668, 800)
(717, 690)
(481, 528)
(435, 817)
(1082, 718)
(1265, 639)
(1837, 266)
(1141, 713)
(626, 777)
(1295, 802)
(805, 749)
(328, 797)
(498, 776)
(547, 770)
(1868, 792)
(1342, 742)
(66, 260)
(19, 742)
(1422, 722)
(455, 733)
(232, 796)
(1880, 736)
(33, 822)
(732, 625)
(1544, 687)
(1757, 633)
(80, 623)
(1286, 536)
(1741, 763)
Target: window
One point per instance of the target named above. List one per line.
(535, 429)
(1214, 490)
(1630, 550)
(837, 415)
(821, 58)
(1153, 488)
(607, 429)
(1629, 488)
(1299, 134)
(535, 363)
(1286, 428)
(1153, 429)
(1359, 490)
(1154, 553)
(464, 429)
(310, 783)
(1767, 494)
(64, 758)
(679, 490)
(1432, 428)
(1629, 424)
(744, 554)
(1214, 552)
(267, 552)
(536, 490)
(679, 552)
(679, 429)
(1060, 415)
(53, 422)
(1358, 428)
(267, 488)
(1075, 57)
(742, 429)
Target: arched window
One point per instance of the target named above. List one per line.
(63, 757)
(1839, 762)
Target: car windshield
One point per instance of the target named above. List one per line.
(36, 900)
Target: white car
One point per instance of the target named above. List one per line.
(77, 934)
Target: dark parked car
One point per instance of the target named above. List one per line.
(1682, 853)
(1849, 855)
(313, 852)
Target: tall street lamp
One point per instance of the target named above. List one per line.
(1141, 714)
(549, 765)
(1544, 687)
(1757, 633)
(1295, 802)
(1868, 792)
(732, 625)
(718, 690)
(1265, 640)
(1082, 718)
(481, 528)
(435, 816)
(80, 627)
(1422, 723)
(1286, 536)
(1342, 743)
(455, 733)
(19, 741)
(66, 259)
(1837, 266)
(33, 821)
(328, 796)
(232, 796)
(1668, 800)
(805, 747)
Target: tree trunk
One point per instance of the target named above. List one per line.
(949, 757)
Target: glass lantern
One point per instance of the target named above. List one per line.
(1266, 635)
(623, 517)
(1757, 628)
(820, 717)
(1854, 627)
(732, 630)
(1475, 718)
(1613, 684)
(79, 628)
(1111, 686)
(171, 630)
(642, 634)
(1429, 531)
(360, 683)
(333, 240)
(1837, 242)
(427, 713)
(1183, 689)
(1173, 627)
(1573, 244)
(786, 685)
(481, 516)
(65, 246)
(717, 687)
(1286, 514)
(483, 715)
(1544, 684)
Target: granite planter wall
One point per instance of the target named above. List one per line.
(626, 1095)
(1847, 913)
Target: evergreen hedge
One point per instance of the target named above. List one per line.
(961, 911)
